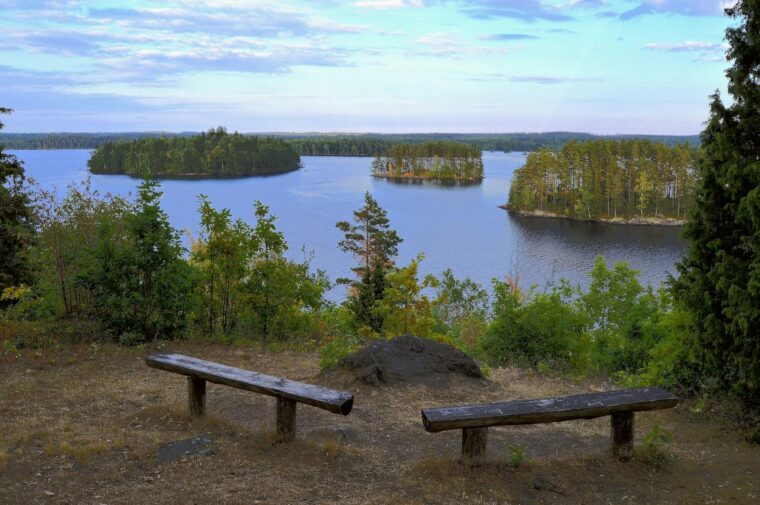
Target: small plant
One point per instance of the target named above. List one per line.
(334, 350)
(10, 349)
(516, 455)
(698, 407)
(652, 453)
(486, 370)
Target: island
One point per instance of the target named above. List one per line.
(215, 153)
(441, 160)
(625, 182)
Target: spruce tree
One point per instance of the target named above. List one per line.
(16, 228)
(720, 274)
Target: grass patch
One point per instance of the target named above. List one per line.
(4, 457)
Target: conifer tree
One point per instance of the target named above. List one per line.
(720, 275)
(375, 245)
(16, 228)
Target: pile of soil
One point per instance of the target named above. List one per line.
(411, 360)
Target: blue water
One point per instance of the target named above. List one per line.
(459, 227)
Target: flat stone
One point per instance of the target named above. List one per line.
(542, 484)
(198, 446)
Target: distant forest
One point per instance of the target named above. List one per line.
(212, 154)
(342, 144)
(443, 160)
(605, 179)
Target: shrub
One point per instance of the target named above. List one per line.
(543, 328)
(141, 281)
(337, 348)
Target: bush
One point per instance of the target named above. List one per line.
(142, 284)
(543, 328)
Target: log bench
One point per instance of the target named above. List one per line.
(474, 420)
(287, 392)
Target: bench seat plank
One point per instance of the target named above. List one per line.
(338, 402)
(547, 410)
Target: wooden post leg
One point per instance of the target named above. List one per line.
(622, 435)
(196, 396)
(286, 419)
(474, 441)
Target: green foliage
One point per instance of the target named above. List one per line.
(221, 257)
(370, 144)
(337, 348)
(246, 285)
(404, 308)
(66, 244)
(374, 244)
(141, 283)
(720, 275)
(623, 317)
(16, 221)
(652, 452)
(460, 310)
(434, 160)
(516, 455)
(212, 154)
(544, 327)
(607, 179)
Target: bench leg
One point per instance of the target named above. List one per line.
(622, 435)
(286, 419)
(474, 442)
(196, 396)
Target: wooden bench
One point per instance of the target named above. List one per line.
(474, 420)
(287, 392)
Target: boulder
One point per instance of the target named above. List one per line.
(409, 359)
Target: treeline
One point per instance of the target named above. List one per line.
(212, 154)
(76, 140)
(343, 145)
(605, 179)
(430, 160)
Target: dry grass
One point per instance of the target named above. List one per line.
(86, 423)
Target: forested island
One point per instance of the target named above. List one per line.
(320, 144)
(442, 160)
(212, 154)
(633, 181)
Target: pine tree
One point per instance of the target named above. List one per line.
(370, 238)
(720, 275)
(375, 245)
(16, 228)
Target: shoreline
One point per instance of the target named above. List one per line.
(164, 176)
(634, 221)
(473, 180)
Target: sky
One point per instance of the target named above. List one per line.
(599, 66)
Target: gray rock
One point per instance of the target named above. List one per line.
(542, 484)
(198, 446)
(409, 359)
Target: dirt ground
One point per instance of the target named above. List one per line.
(83, 425)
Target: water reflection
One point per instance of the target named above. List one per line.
(432, 183)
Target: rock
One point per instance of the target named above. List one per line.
(542, 484)
(409, 359)
(198, 446)
(49, 493)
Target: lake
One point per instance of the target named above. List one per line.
(460, 227)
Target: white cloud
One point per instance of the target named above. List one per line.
(683, 7)
(388, 4)
(687, 45)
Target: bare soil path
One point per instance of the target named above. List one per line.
(83, 425)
